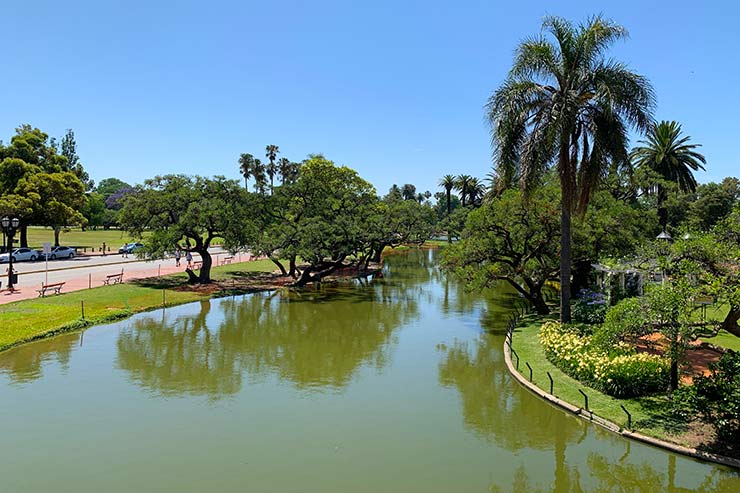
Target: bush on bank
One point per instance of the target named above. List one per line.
(619, 373)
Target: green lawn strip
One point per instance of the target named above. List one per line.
(26, 320)
(724, 339)
(649, 414)
(75, 237)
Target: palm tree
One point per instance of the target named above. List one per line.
(246, 166)
(461, 184)
(408, 191)
(669, 156)
(271, 152)
(284, 169)
(260, 180)
(448, 183)
(565, 104)
(476, 190)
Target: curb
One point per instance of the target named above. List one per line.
(609, 425)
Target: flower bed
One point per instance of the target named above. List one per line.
(621, 374)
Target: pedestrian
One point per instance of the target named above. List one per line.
(189, 258)
(177, 257)
(103, 249)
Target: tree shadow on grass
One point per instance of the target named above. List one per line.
(660, 415)
(158, 283)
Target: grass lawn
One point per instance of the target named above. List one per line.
(27, 320)
(724, 339)
(75, 237)
(649, 414)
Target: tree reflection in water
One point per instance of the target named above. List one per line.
(314, 339)
(25, 363)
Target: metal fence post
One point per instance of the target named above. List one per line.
(530, 370)
(550, 377)
(629, 416)
(585, 397)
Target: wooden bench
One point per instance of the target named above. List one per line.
(227, 260)
(57, 288)
(113, 278)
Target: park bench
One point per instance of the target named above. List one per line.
(227, 260)
(57, 288)
(113, 278)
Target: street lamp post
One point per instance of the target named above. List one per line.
(10, 225)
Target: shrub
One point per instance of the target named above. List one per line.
(589, 307)
(628, 317)
(715, 397)
(623, 374)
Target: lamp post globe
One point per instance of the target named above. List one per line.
(5, 222)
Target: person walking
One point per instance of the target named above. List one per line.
(189, 258)
(177, 257)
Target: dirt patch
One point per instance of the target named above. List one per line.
(698, 356)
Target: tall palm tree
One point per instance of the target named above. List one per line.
(246, 167)
(260, 180)
(284, 169)
(271, 152)
(476, 190)
(668, 154)
(565, 104)
(448, 183)
(461, 184)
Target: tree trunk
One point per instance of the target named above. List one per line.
(24, 236)
(662, 211)
(674, 375)
(192, 278)
(539, 303)
(293, 268)
(57, 229)
(205, 269)
(730, 323)
(379, 253)
(449, 203)
(565, 253)
(315, 274)
(280, 266)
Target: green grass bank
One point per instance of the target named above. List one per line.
(28, 320)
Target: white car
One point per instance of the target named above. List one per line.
(61, 252)
(19, 255)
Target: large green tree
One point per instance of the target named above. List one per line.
(512, 240)
(68, 149)
(670, 157)
(188, 213)
(564, 103)
(323, 218)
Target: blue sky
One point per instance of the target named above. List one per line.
(393, 89)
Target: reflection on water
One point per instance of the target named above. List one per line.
(24, 364)
(313, 339)
(390, 384)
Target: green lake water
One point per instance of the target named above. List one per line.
(397, 384)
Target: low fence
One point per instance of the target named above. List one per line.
(522, 309)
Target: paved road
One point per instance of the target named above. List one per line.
(82, 261)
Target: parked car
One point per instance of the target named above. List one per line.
(130, 247)
(20, 254)
(60, 252)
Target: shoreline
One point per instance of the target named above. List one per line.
(606, 424)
